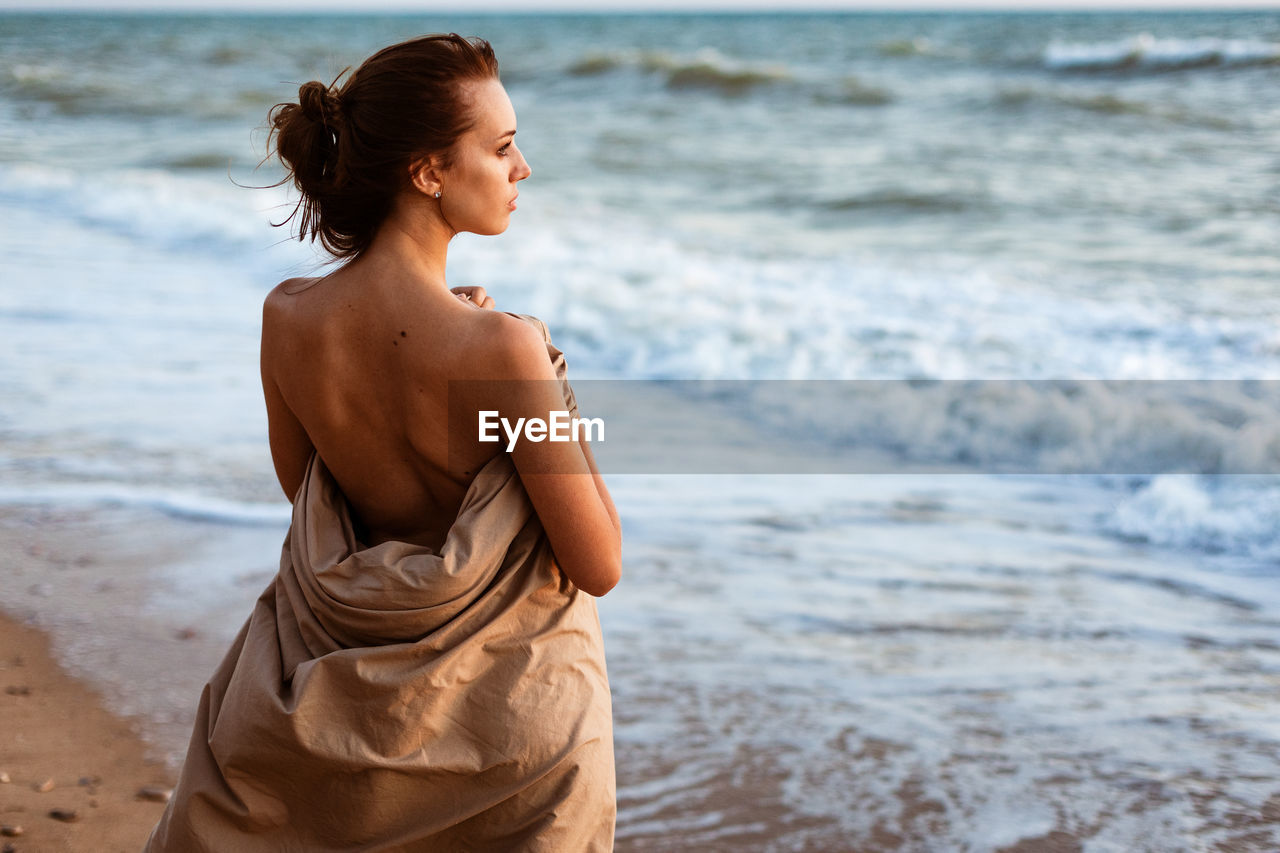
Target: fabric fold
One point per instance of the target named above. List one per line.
(390, 698)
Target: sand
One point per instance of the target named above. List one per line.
(54, 727)
(111, 620)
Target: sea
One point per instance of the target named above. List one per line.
(958, 660)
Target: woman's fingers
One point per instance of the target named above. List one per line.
(473, 294)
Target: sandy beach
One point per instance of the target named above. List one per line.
(54, 729)
(100, 676)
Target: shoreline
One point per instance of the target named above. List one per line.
(138, 606)
(56, 727)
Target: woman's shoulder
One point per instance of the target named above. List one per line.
(531, 321)
(513, 345)
(279, 301)
(291, 286)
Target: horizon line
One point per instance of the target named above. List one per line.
(552, 8)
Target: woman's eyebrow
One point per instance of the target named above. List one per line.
(508, 133)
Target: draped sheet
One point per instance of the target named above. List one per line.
(390, 698)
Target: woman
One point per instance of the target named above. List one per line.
(426, 671)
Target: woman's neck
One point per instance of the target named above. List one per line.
(412, 245)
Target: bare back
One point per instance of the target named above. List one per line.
(360, 371)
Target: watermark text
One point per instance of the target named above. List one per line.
(558, 427)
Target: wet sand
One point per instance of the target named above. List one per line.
(54, 727)
(138, 606)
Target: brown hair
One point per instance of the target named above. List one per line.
(348, 149)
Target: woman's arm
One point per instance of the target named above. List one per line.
(291, 447)
(561, 478)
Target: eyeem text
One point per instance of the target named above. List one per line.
(558, 427)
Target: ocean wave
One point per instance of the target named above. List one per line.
(853, 91)
(1104, 102)
(920, 46)
(1040, 427)
(1145, 52)
(175, 210)
(599, 63)
(208, 160)
(1108, 104)
(178, 504)
(706, 69)
(917, 46)
(79, 92)
(902, 201)
(73, 94)
(1234, 515)
(651, 300)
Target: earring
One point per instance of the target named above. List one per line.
(437, 194)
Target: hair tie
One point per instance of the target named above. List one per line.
(320, 105)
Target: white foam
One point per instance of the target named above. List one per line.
(188, 505)
(1149, 52)
(640, 300)
(1236, 515)
(160, 209)
(1035, 427)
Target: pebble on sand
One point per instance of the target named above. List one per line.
(64, 815)
(4, 778)
(156, 795)
(10, 831)
(45, 787)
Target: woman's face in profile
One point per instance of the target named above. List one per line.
(479, 189)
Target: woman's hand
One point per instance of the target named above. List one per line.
(474, 294)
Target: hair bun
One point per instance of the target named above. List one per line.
(318, 103)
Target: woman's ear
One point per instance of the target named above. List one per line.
(425, 175)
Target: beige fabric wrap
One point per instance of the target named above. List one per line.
(394, 699)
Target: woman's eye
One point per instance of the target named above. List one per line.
(502, 152)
